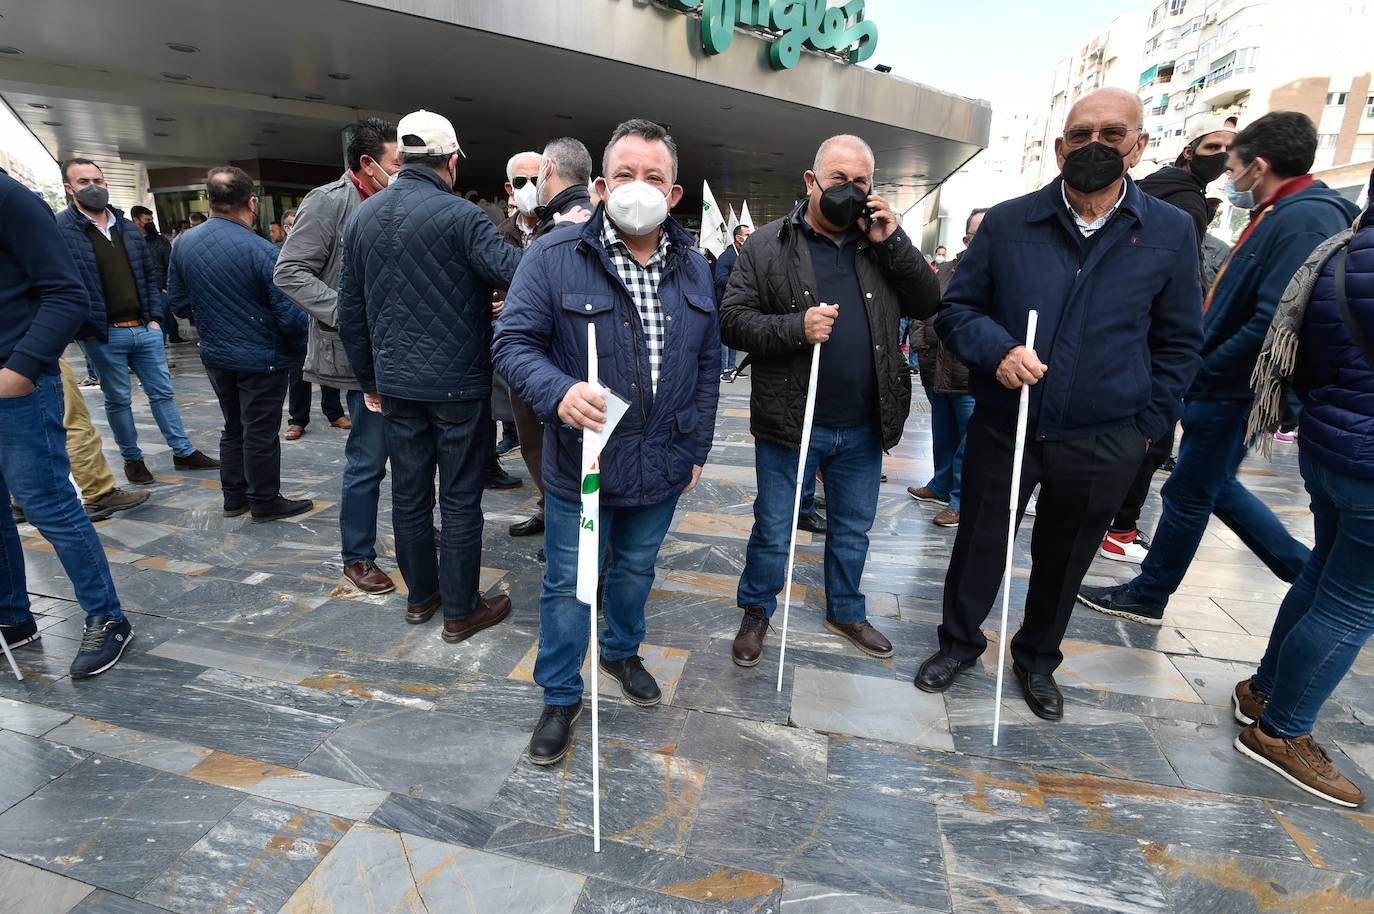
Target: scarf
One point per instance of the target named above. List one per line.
(1272, 378)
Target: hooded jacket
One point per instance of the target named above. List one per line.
(1178, 186)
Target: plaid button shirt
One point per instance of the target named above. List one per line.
(642, 281)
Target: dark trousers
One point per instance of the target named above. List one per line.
(249, 450)
(298, 401)
(453, 438)
(1081, 484)
(531, 432)
(1128, 515)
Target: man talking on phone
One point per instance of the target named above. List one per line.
(840, 272)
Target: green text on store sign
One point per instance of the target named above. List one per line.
(801, 22)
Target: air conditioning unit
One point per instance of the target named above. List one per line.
(1185, 68)
(1369, 112)
(1180, 105)
(1210, 20)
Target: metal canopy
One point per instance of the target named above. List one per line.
(259, 86)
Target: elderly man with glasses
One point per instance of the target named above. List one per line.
(1113, 275)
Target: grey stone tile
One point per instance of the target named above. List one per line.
(712, 682)
(1213, 680)
(252, 860)
(25, 888)
(1017, 864)
(121, 693)
(851, 840)
(29, 764)
(121, 824)
(431, 755)
(30, 718)
(172, 756)
(1196, 879)
(289, 786)
(1341, 841)
(602, 897)
(410, 685)
(808, 898)
(262, 658)
(666, 873)
(867, 707)
(436, 821)
(498, 699)
(750, 745)
(103, 902)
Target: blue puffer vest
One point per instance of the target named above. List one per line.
(73, 226)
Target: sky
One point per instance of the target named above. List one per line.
(1004, 51)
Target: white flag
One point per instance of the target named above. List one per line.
(744, 217)
(712, 223)
(730, 222)
(588, 553)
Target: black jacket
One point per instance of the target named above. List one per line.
(566, 199)
(161, 249)
(762, 314)
(1178, 187)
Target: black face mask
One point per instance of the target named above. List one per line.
(1207, 168)
(1090, 168)
(843, 204)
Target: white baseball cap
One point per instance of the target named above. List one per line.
(1210, 125)
(434, 130)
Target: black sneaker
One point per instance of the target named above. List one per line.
(282, 507)
(636, 683)
(1120, 602)
(553, 735)
(497, 478)
(21, 633)
(101, 646)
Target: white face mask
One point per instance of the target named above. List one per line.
(390, 175)
(526, 198)
(636, 208)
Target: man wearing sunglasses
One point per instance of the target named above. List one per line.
(1113, 275)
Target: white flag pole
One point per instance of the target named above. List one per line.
(1022, 414)
(10, 657)
(588, 545)
(802, 453)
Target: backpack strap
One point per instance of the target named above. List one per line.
(1361, 340)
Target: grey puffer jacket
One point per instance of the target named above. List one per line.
(307, 272)
(762, 314)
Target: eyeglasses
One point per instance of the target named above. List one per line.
(1112, 136)
(520, 181)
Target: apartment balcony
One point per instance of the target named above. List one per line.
(1226, 88)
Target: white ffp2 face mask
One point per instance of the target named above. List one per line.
(637, 208)
(526, 198)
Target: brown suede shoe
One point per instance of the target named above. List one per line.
(196, 460)
(864, 636)
(137, 472)
(1301, 760)
(487, 613)
(748, 647)
(1247, 702)
(294, 432)
(367, 577)
(341, 422)
(417, 613)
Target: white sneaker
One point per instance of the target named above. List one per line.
(1125, 547)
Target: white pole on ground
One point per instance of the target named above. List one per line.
(1016, 456)
(4, 645)
(802, 453)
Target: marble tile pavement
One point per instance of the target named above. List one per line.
(276, 741)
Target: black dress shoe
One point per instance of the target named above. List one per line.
(282, 507)
(553, 735)
(812, 523)
(528, 527)
(938, 672)
(497, 478)
(1042, 695)
(636, 683)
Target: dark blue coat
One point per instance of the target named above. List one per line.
(73, 225)
(725, 264)
(419, 267)
(1337, 424)
(1119, 325)
(222, 275)
(1246, 295)
(567, 282)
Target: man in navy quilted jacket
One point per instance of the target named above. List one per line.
(251, 338)
(415, 310)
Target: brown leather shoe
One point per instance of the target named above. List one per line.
(420, 613)
(924, 494)
(341, 422)
(947, 518)
(864, 636)
(367, 577)
(137, 472)
(748, 646)
(294, 432)
(487, 613)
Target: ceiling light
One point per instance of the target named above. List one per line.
(156, 133)
(39, 105)
(6, 49)
(179, 77)
(727, 107)
(314, 96)
(462, 98)
(341, 76)
(564, 117)
(165, 120)
(52, 123)
(182, 48)
(269, 130)
(257, 144)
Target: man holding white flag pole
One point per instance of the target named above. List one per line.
(630, 280)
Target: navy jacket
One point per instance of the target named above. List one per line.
(1337, 382)
(72, 222)
(724, 265)
(419, 267)
(567, 282)
(1119, 329)
(221, 274)
(1246, 294)
(42, 303)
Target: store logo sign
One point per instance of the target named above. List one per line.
(807, 23)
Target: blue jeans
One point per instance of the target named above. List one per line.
(1328, 613)
(141, 350)
(727, 358)
(949, 415)
(455, 439)
(34, 469)
(170, 330)
(851, 460)
(1204, 483)
(630, 540)
(364, 469)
